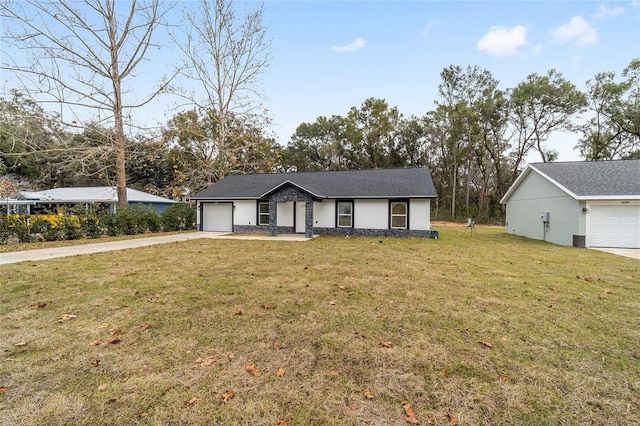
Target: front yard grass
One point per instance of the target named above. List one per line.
(498, 330)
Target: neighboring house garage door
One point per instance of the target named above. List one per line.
(217, 217)
(614, 226)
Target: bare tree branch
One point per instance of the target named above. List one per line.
(82, 52)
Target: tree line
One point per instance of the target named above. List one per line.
(475, 140)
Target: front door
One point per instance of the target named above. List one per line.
(300, 217)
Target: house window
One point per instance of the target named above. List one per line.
(345, 214)
(399, 214)
(263, 213)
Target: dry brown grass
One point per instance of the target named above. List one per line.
(497, 330)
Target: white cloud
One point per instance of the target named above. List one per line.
(605, 11)
(500, 41)
(354, 46)
(430, 26)
(578, 30)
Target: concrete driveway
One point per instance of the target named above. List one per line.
(632, 253)
(52, 253)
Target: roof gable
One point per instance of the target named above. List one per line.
(370, 183)
(584, 180)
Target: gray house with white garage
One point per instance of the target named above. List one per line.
(580, 204)
(376, 202)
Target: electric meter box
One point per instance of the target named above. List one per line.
(544, 216)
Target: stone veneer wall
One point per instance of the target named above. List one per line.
(342, 231)
(374, 232)
(249, 229)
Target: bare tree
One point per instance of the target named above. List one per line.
(82, 53)
(225, 56)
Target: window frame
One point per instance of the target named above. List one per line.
(405, 215)
(338, 215)
(261, 214)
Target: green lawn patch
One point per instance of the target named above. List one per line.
(495, 330)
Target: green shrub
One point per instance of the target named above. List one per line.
(126, 221)
(69, 227)
(19, 228)
(109, 223)
(147, 218)
(91, 227)
(179, 217)
(5, 232)
(45, 230)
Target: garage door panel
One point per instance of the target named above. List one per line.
(217, 217)
(615, 226)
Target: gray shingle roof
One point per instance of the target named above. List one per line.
(595, 178)
(372, 183)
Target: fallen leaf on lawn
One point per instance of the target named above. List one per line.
(333, 372)
(116, 333)
(630, 277)
(3, 389)
(104, 325)
(276, 345)
(430, 421)
(280, 372)
(38, 306)
(227, 396)
(267, 307)
(386, 344)
(102, 387)
(143, 326)
(193, 400)
(205, 362)
(452, 420)
(66, 317)
(253, 370)
(367, 394)
(238, 313)
(95, 342)
(95, 363)
(487, 344)
(411, 415)
(332, 303)
(114, 340)
(282, 423)
(115, 308)
(23, 343)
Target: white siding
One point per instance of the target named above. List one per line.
(371, 214)
(324, 214)
(285, 214)
(420, 215)
(245, 212)
(535, 195)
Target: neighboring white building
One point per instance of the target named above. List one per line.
(377, 202)
(580, 204)
(105, 195)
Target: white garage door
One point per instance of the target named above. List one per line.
(217, 217)
(614, 226)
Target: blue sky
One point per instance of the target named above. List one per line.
(329, 56)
